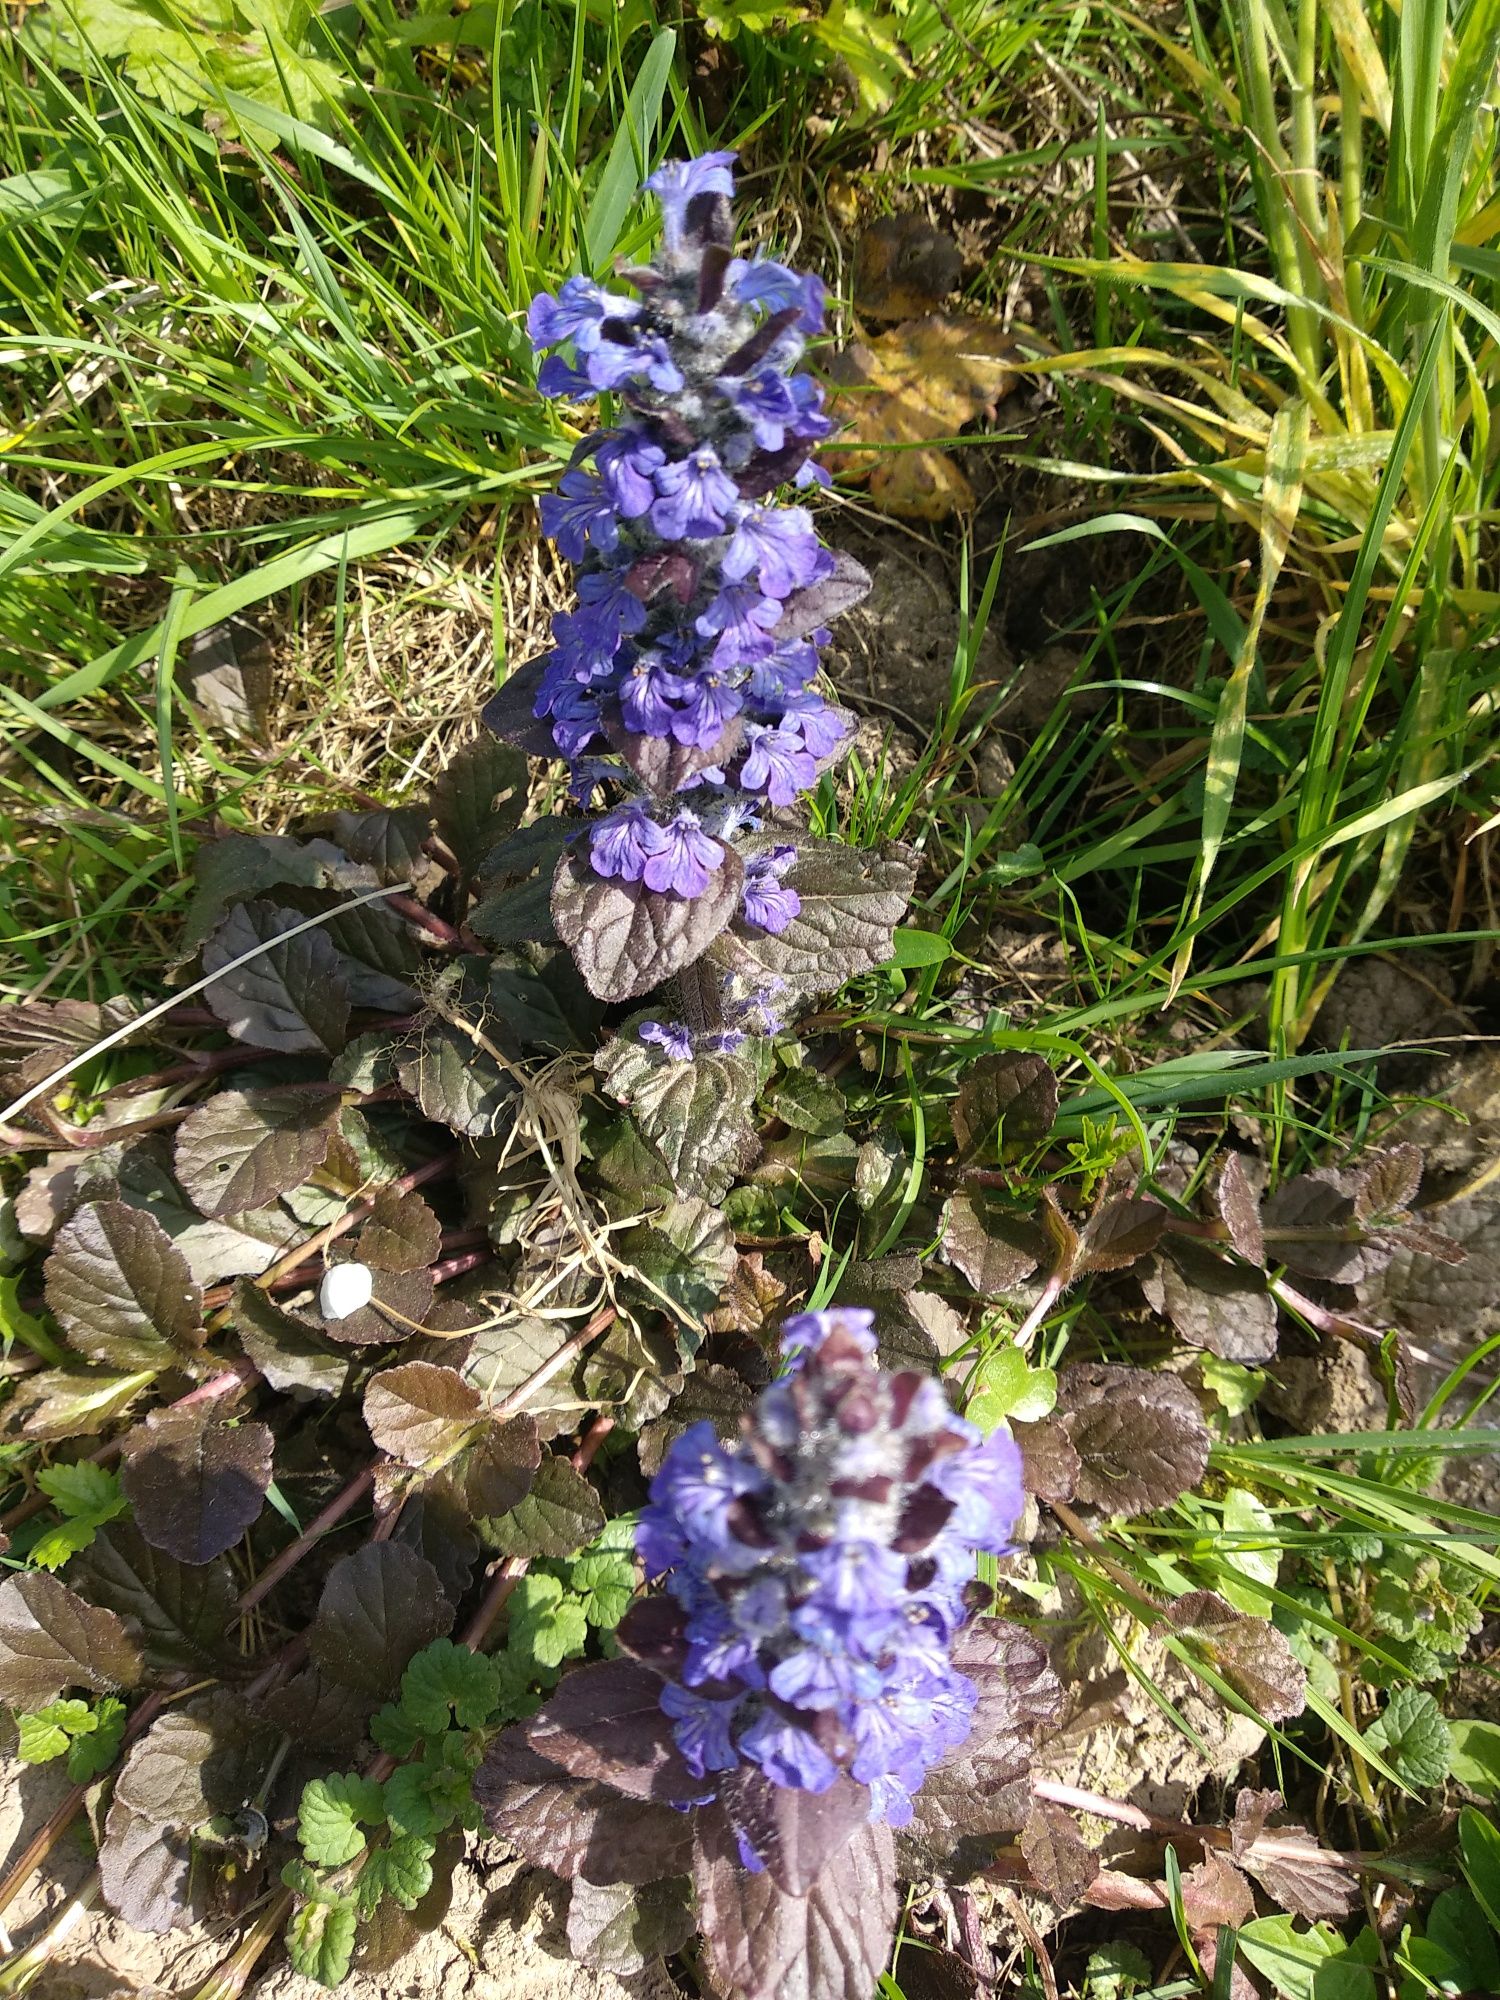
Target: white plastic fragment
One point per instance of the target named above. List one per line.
(345, 1288)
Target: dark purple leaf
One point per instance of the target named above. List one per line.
(1213, 1302)
(710, 1392)
(379, 1606)
(1298, 1875)
(121, 1290)
(964, 1806)
(493, 1474)
(627, 938)
(433, 1524)
(1312, 1227)
(401, 1233)
(292, 1358)
(1239, 1207)
(521, 914)
(480, 798)
(831, 1944)
(665, 570)
(50, 1639)
(1250, 1654)
(820, 603)
(1050, 1467)
(1252, 1810)
(664, 766)
(1119, 1232)
(1386, 1185)
(290, 996)
(226, 671)
(406, 1294)
(1020, 1697)
(455, 1083)
(574, 1827)
(1215, 1893)
(421, 1414)
(320, 1712)
(509, 711)
(622, 1929)
(1061, 1861)
(390, 840)
(194, 1483)
(697, 1115)
(1009, 1098)
(180, 1610)
(606, 1724)
(193, 1765)
(241, 1148)
(1140, 1436)
(379, 957)
(558, 1516)
(796, 1834)
(654, 1631)
(852, 900)
(994, 1251)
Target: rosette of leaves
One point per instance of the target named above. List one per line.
(594, 1789)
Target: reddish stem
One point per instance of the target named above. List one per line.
(436, 928)
(292, 1554)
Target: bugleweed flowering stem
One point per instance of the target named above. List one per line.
(822, 1569)
(684, 686)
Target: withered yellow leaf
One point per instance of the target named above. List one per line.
(923, 380)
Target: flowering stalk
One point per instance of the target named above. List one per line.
(824, 1565)
(683, 685)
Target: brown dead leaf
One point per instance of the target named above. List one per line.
(925, 379)
(903, 268)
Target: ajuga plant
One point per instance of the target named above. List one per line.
(683, 688)
(411, 1421)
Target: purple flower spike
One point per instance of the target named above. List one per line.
(627, 464)
(708, 704)
(578, 514)
(577, 313)
(686, 859)
(766, 402)
(822, 1563)
(684, 680)
(697, 498)
(741, 614)
(765, 283)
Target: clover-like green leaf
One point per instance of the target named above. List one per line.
(333, 1814)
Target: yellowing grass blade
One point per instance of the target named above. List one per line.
(1281, 497)
(1358, 47)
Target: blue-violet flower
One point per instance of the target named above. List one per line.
(823, 1564)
